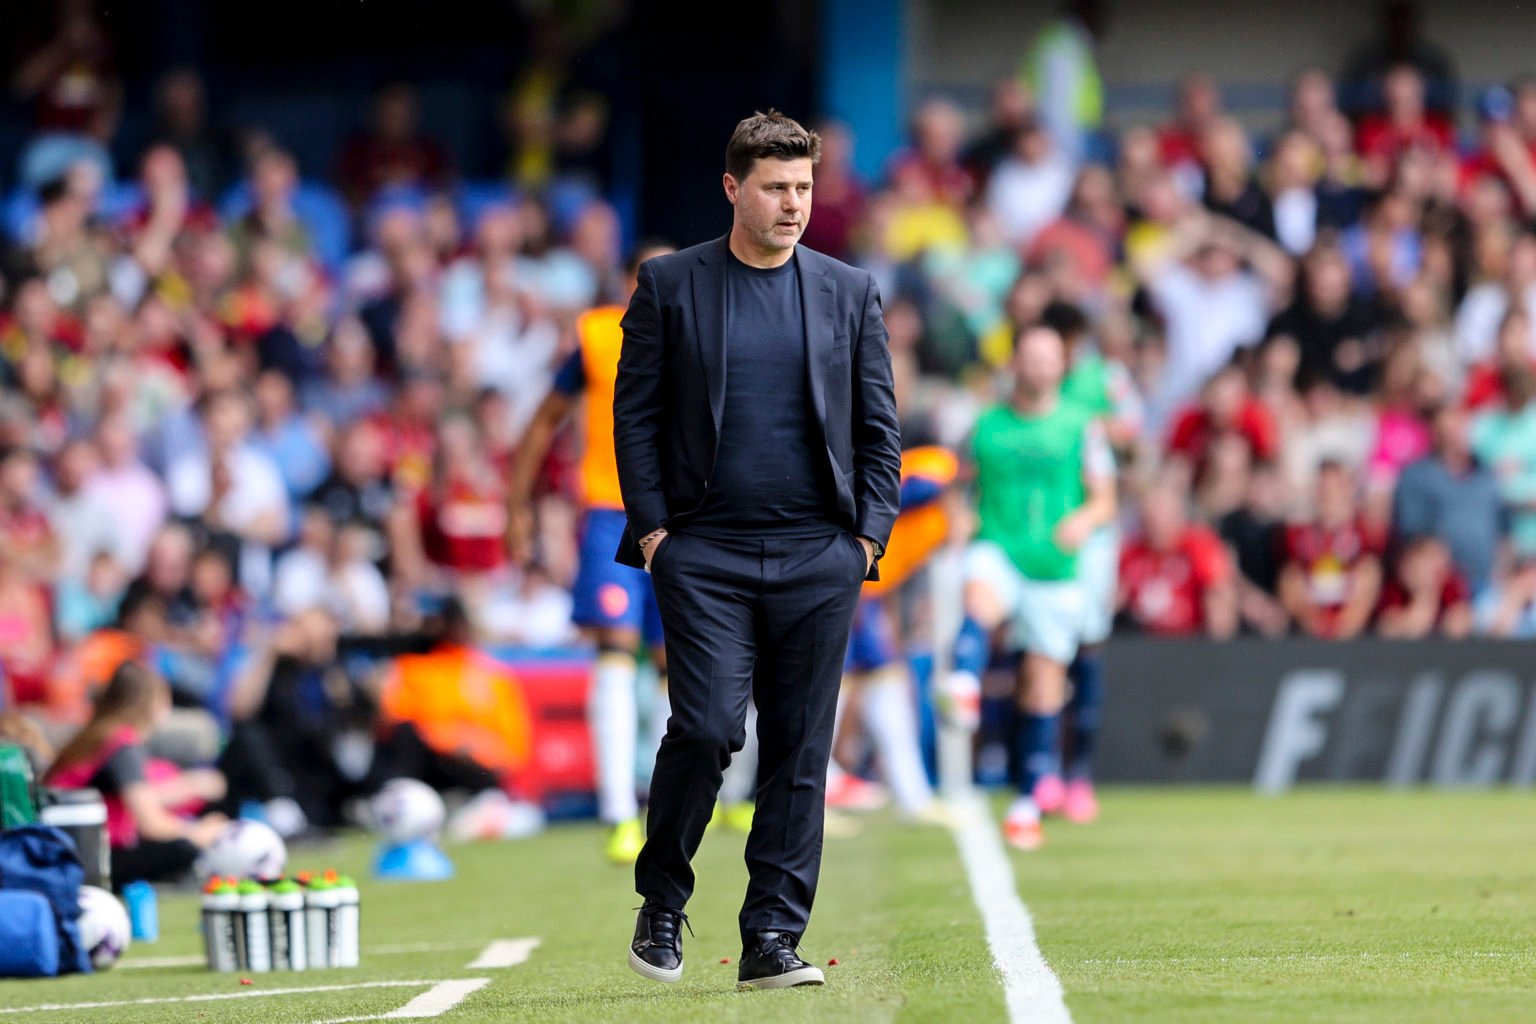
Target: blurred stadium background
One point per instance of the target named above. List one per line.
(282, 285)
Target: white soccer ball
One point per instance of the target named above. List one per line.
(247, 849)
(406, 810)
(104, 929)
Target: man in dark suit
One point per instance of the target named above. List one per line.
(759, 459)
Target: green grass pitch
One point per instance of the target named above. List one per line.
(1179, 906)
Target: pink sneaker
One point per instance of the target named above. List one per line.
(1081, 805)
(1021, 826)
(1050, 794)
(848, 792)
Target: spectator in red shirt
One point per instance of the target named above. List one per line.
(1507, 152)
(841, 200)
(931, 169)
(1485, 383)
(1332, 574)
(1405, 124)
(392, 153)
(1226, 409)
(78, 93)
(26, 537)
(1314, 105)
(1175, 576)
(408, 430)
(1425, 594)
(1199, 107)
(463, 514)
(1084, 241)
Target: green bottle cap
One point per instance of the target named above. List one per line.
(284, 886)
(250, 887)
(345, 882)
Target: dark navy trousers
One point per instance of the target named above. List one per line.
(766, 619)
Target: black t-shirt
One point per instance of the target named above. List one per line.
(124, 768)
(1318, 336)
(1257, 544)
(771, 472)
(1251, 208)
(367, 505)
(182, 609)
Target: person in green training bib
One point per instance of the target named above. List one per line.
(1045, 482)
(1104, 389)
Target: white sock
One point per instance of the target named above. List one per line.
(1023, 808)
(661, 711)
(892, 724)
(611, 716)
(740, 782)
(835, 770)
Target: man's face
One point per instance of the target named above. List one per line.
(1039, 361)
(1335, 497)
(18, 477)
(773, 202)
(1162, 518)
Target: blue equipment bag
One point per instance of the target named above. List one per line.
(43, 860)
(29, 939)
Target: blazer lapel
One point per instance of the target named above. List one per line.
(708, 281)
(816, 307)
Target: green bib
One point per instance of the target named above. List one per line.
(1087, 386)
(1029, 471)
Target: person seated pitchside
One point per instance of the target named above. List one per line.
(151, 826)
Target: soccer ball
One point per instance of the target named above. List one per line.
(104, 929)
(406, 810)
(247, 849)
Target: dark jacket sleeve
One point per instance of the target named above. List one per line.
(639, 409)
(876, 432)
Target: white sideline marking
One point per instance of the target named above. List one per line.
(1031, 989)
(434, 1002)
(504, 953)
(210, 997)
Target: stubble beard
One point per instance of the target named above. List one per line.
(769, 238)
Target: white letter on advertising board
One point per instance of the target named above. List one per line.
(1296, 731)
(1489, 700)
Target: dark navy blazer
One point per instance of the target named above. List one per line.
(670, 393)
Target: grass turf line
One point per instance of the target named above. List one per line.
(1362, 906)
(1357, 906)
(892, 908)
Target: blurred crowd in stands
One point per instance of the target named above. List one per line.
(247, 416)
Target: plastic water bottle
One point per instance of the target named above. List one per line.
(348, 921)
(252, 937)
(143, 911)
(319, 904)
(285, 919)
(221, 901)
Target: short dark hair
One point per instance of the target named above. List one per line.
(768, 134)
(1065, 319)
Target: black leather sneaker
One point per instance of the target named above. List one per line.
(657, 949)
(770, 961)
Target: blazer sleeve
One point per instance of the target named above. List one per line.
(639, 409)
(876, 432)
